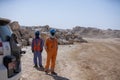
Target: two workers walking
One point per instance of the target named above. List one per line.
(51, 47)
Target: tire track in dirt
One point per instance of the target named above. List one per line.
(97, 61)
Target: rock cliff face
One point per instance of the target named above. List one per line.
(65, 36)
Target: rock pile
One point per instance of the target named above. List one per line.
(68, 37)
(64, 36)
(25, 34)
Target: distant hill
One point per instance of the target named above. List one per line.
(96, 33)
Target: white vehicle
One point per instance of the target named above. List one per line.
(10, 66)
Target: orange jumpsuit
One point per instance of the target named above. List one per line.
(51, 47)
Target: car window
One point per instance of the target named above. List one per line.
(4, 32)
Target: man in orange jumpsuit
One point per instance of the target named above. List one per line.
(51, 47)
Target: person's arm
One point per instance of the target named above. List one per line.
(42, 45)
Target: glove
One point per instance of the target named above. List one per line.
(41, 50)
(33, 51)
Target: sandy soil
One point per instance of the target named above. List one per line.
(99, 59)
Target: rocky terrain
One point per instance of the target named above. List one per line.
(65, 36)
(96, 33)
(25, 34)
(90, 53)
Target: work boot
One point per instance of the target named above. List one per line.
(35, 66)
(46, 72)
(41, 66)
(53, 73)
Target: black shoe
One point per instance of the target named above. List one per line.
(35, 66)
(53, 73)
(41, 66)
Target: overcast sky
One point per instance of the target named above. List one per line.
(63, 13)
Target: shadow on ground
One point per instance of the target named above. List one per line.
(40, 69)
(55, 77)
(59, 77)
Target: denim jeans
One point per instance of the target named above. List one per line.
(37, 55)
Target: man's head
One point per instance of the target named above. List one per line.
(52, 33)
(37, 33)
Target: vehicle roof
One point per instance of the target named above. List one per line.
(4, 21)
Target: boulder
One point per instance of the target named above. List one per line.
(14, 26)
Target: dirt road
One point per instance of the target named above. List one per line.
(99, 59)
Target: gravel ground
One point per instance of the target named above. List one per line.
(99, 59)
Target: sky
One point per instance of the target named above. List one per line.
(64, 14)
